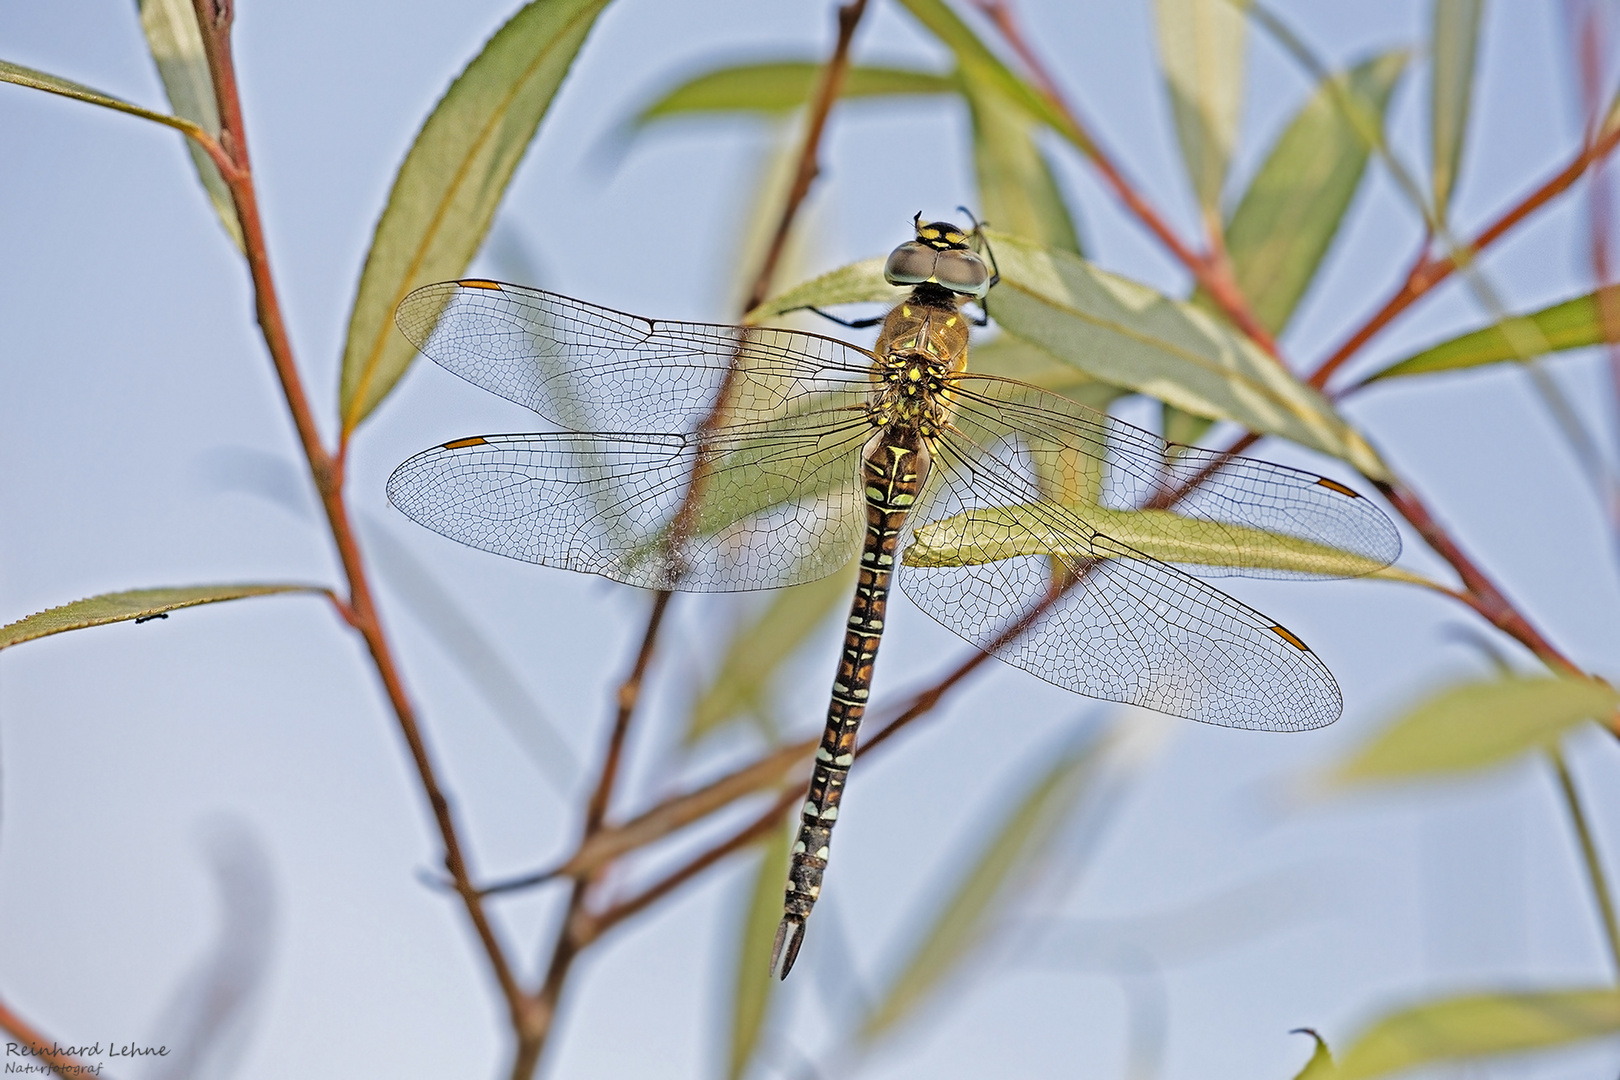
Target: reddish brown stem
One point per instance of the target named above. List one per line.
(1482, 594)
(832, 81)
(757, 830)
(42, 1046)
(1429, 272)
(613, 841)
(579, 927)
(214, 17)
(1211, 270)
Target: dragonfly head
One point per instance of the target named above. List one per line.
(942, 254)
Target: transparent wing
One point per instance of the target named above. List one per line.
(775, 505)
(590, 368)
(1107, 462)
(1106, 621)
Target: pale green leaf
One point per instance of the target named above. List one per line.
(1321, 1066)
(1474, 726)
(1478, 1026)
(784, 86)
(134, 604)
(1025, 833)
(177, 48)
(1201, 46)
(450, 183)
(990, 534)
(753, 983)
(856, 283)
(982, 69)
(1292, 209)
(1017, 191)
(1128, 334)
(1454, 43)
(759, 648)
(1573, 324)
(51, 84)
(1011, 357)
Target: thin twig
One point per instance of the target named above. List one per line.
(1601, 893)
(1483, 595)
(760, 827)
(614, 841)
(832, 81)
(214, 18)
(579, 927)
(1428, 273)
(1212, 272)
(42, 1046)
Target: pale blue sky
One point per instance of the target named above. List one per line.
(138, 416)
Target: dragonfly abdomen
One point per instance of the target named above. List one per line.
(894, 468)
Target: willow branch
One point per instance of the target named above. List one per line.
(45, 1048)
(579, 927)
(214, 18)
(1209, 268)
(827, 89)
(1429, 272)
(759, 828)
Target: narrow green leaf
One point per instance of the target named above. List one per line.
(784, 86)
(990, 534)
(1287, 218)
(1201, 45)
(135, 604)
(759, 648)
(1454, 42)
(1320, 1067)
(1011, 357)
(751, 1000)
(1017, 191)
(1024, 835)
(177, 47)
(1128, 334)
(1480, 1026)
(1476, 725)
(857, 283)
(450, 183)
(1572, 324)
(982, 69)
(38, 80)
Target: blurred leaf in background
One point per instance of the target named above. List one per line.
(1475, 726)
(1453, 45)
(1202, 50)
(753, 983)
(1478, 1026)
(967, 912)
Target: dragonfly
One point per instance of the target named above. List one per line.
(714, 458)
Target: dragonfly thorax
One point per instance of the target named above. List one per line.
(911, 392)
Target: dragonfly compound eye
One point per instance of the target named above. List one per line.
(912, 263)
(962, 272)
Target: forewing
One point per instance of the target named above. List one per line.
(589, 368)
(1126, 468)
(777, 504)
(1101, 618)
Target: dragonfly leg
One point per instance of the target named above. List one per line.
(853, 324)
